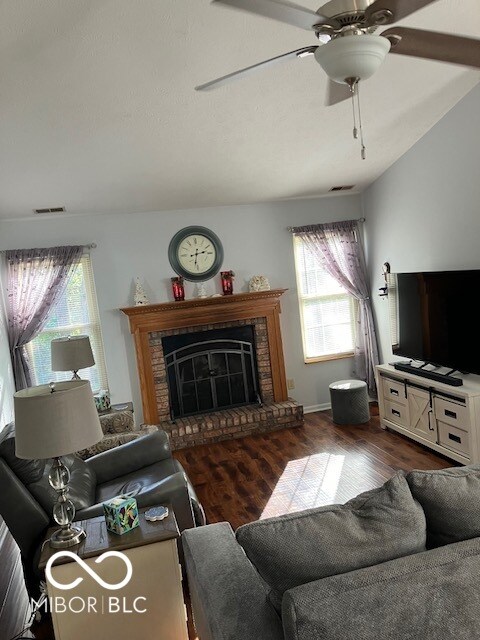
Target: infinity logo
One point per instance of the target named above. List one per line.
(85, 566)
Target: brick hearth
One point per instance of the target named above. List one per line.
(151, 323)
(233, 423)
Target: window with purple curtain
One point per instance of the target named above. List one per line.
(339, 249)
(36, 279)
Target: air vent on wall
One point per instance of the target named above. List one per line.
(50, 210)
(343, 188)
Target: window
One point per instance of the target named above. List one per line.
(327, 311)
(76, 313)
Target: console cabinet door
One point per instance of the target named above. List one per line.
(422, 418)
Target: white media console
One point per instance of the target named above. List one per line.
(441, 417)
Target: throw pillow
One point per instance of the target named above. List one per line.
(297, 548)
(451, 501)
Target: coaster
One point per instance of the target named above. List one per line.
(156, 513)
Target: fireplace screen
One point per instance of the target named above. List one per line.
(216, 371)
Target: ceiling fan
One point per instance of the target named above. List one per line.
(350, 51)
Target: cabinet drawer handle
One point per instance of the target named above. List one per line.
(396, 413)
(450, 414)
(394, 392)
(455, 438)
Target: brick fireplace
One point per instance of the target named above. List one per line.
(267, 408)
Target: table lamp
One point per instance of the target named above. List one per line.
(53, 421)
(72, 354)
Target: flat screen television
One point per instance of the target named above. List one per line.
(434, 318)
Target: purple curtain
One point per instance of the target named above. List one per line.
(36, 278)
(338, 247)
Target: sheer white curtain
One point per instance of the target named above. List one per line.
(338, 246)
(35, 280)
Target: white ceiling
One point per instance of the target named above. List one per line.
(98, 111)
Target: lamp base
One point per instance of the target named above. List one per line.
(68, 537)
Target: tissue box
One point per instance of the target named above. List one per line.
(121, 514)
(102, 400)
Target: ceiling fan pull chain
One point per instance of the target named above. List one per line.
(355, 130)
(364, 149)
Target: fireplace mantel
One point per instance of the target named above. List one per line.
(170, 316)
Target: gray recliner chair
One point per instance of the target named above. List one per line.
(144, 468)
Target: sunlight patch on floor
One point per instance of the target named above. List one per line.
(306, 483)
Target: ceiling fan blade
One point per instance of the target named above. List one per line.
(434, 46)
(214, 84)
(281, 10)
(399, 9)
(336, 93)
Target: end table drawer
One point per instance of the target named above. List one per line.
(452, 413)
(397, 413)
(453, 438)
(394, 390)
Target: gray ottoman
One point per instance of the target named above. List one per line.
(349, 400)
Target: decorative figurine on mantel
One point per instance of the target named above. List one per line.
(201, 290)
(259, 283)
(140, 297)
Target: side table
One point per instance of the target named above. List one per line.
(149, 605)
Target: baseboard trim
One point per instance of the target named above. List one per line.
(317, 407)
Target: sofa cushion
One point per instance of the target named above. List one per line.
(82, 485)
(374, 527)
(451, 501)
(433, 595)
(26, 470)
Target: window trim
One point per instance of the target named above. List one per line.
(301, 299)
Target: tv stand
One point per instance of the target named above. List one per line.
(446, 378)
(438, 416)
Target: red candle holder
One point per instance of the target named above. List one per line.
(178, 289)
(227, 282)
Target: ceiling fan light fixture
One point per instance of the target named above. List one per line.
(352, 56)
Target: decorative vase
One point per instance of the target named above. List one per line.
(227, 282)
(178, 289)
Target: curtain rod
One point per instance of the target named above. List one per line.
(92, 245)
(291, 229)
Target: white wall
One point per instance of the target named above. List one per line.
(255, 239)
(6, 377)
(423, 214)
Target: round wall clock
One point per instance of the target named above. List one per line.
(195, 253)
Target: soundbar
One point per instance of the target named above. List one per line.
(431, 375)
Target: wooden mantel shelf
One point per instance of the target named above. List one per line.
(167, 316)
(250, 297)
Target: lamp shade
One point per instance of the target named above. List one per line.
(50, 424)
(71, 353)
(354, 56)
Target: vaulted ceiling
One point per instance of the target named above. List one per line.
(98, 110)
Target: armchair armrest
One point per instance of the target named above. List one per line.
(171, 490)
(130, 457)
(229, 599)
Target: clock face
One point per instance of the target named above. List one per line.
(195, 253)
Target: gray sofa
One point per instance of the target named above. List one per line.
(401, 562)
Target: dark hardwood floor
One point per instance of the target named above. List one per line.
(285, 471)
(320, 463)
